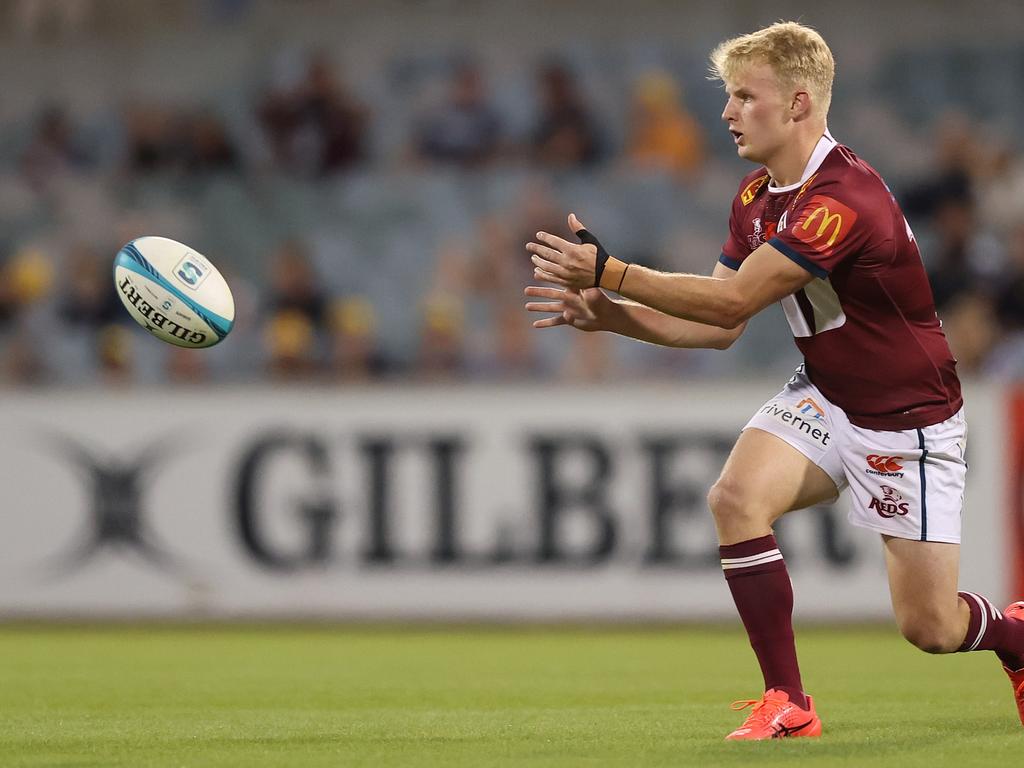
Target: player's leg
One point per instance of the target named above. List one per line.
(923, 585)
(764, 478)
(786, 458)
(935, 617)
(909, 485)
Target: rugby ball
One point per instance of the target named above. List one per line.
(174, 292)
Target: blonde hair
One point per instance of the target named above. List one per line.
(798, 55)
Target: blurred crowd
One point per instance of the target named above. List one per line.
(415, 266)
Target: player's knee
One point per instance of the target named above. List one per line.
(931, 634)
(723, 500)
(730, 505)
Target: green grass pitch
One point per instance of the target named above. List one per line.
(355, 696)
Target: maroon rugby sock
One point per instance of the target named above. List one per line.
(760, 586)
(989, 630)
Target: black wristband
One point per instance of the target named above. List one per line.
(602, 255)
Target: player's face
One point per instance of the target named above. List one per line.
(757, 113)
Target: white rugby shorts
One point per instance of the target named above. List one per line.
(908, 484)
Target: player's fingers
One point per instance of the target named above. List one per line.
(550, 267)
(550, 322)
(543, 292)
(547, 277)
(542, 250)
(572, 298)
(555, 241)
(545, 306)
(575, 224)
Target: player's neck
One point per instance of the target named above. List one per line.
(788, 166)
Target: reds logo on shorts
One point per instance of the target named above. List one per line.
(892, 503)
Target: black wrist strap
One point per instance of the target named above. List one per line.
(602, 254)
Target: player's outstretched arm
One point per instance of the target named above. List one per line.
(765, 276)
(592, 310)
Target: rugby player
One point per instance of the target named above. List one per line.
(876, 406)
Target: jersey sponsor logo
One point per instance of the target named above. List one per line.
(750, 191)
(891, 503)
(884, 466)
(798, 422)
(808, 407)
(824, 223)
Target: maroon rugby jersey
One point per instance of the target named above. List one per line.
(866, 325)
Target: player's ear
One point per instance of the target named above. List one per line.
(800, 107)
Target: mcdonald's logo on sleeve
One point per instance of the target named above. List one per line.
(824, 223)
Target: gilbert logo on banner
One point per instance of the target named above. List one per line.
(1016, 488)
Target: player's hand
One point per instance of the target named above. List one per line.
(557, 261)
(586, 309)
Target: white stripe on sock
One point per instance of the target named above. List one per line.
(996, 615)
(767, 558)
(740, 560)
(984, 618)
(993, 612)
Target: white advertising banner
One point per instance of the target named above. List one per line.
(417, 503)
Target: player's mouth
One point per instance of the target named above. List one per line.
(736, 135)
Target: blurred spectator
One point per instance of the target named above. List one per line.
(88, 300)
(315, 126)
(512, 352)
(24, 280)
(1010, 292)
(442, 337)
(565, 135)
(464, 130)
(208, 148)
(354, 353)
(1001, 189)
(966, 259)
(28, 276)
(950, 181)
(114, 345)
(503, 268)
(1006, 360)
(293, 284)
(662, 134)
(153, 140)
(53, 149)
(296, 311)
(970, 325)
(290, 340)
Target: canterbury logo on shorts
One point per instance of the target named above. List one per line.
(884, 464)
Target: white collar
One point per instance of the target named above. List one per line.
(824, 146)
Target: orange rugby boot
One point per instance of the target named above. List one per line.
(1016, 611)
(775, 717)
